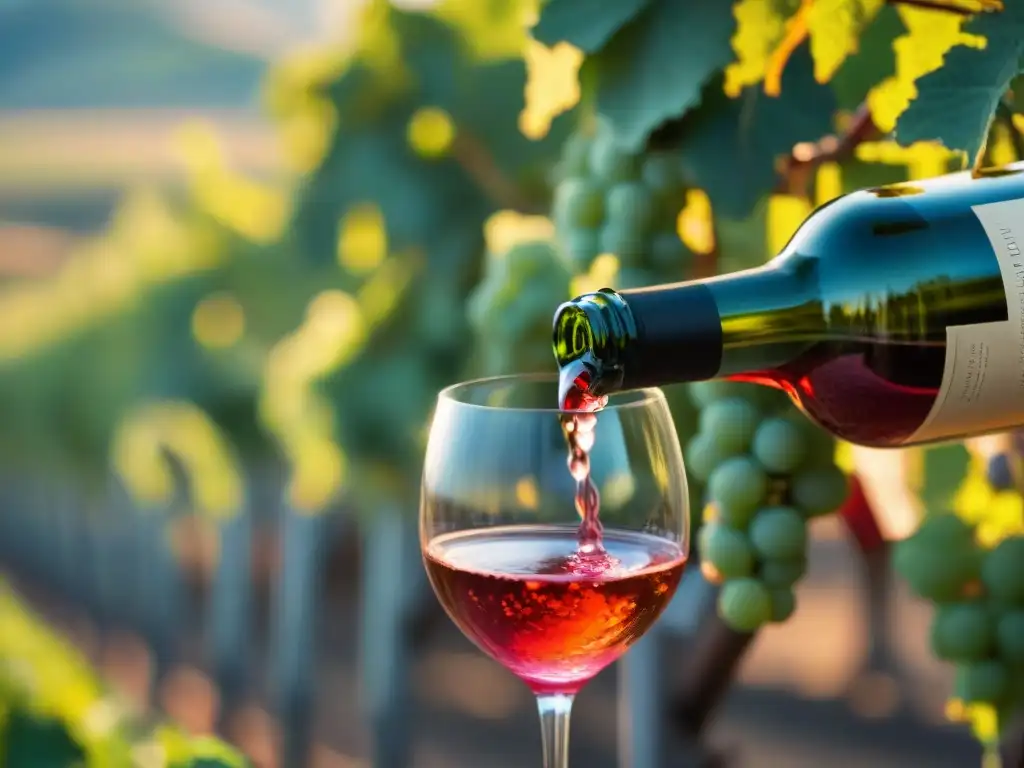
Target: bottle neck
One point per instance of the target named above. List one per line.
(747, 323)
(768, 316)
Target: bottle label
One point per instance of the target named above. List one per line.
(982, 386)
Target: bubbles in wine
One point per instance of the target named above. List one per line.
(526, 596)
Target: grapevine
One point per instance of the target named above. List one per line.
(509, 310)
(624, 204)
(731, 120)
(969, 563)
(767, 473)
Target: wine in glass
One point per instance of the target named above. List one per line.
(514, 543)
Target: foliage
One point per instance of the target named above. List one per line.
(54, 713)
(966, 559)
(426, 146)
(316, 316)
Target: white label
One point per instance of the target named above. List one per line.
(983, 381)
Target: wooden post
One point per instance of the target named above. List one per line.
(643, 741)
(294, 625)
(392, 583)
(230, 610)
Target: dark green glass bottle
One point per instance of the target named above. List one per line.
(894, 316)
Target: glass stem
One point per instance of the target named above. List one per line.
(555, 710)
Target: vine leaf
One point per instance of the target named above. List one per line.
(371, 161)
(1016, 98)
(654, 68)
(587, 24)
(760, 27)
(873, 63)
(930, 34)
(730, 148)
(835, 27)
(955, 103)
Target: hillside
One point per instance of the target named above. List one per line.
(114, 53)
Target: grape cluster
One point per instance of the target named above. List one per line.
(767, 470)
(977, 585)
(511, 307)
(609, 201)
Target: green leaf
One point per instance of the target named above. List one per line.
(1017, 95)
(730, 147)
(760, 27)
(874, 61)
(930, 34)
(487, 107)
(587, 24)
(654, 68)
(743, 243)
(31, 741)
(424, 200)
(835, 27)
(955, 103)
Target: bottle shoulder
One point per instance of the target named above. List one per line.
(893, 217)
(878, 240)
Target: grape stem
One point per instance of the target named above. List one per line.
(797, 170)
(712, 665)
(479, 163)
(807, 158)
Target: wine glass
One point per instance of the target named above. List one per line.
(503, 543)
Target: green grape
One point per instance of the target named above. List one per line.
(738, 482)
(962, 632)
(780, 446)
(703, 393)
(484, 305)
(982, 681)
(668, 253)
(782, 574)
(529, 260)
(783, 604)
(736, 517)
(702, 456)
(609, 163)
(731, 423)
(1002, 570)
(945, 529)
(575, 156)
(581, 246)
(579, 204)
(778, 533)
(662, 173)
(744, 604)
(630, 208)
(727, 550)
(819, 490)
(1010, 636)
(625, 244)
(634, 278)
(821, 446)
(938, 573)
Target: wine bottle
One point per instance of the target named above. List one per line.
(894, 316)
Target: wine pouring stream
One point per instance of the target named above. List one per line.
(579, 423)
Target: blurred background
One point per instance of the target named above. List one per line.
(216, 364)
